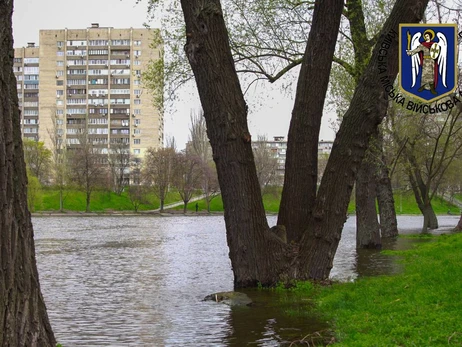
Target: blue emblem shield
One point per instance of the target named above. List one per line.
(428, 60)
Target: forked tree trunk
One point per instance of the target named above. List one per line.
(257, 255)
(366, 111)
(23, 316)
(301, 167)
(367, 225)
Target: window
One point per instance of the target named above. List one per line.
(137, 91)
(137, 131)
(17, 68)
(31, 112)
(17, 60)
(59, 112)
(31, 70)
(60, 63)
(98, 52)
(60, 53)
(120, 42)
(31, 60)
(137, 101)
(76, 43)
(97, 43)
(76, 82)
(59, 121)
(136, 141)
(59, 43)
(136, 82)
(137, 62)
(137, 42)
(59, 102)
(59, 92)
(137, 53)
(59, 73)
(137, 122)
(136, 151)
(59, 83)
(137, 111)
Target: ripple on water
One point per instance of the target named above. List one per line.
(140, 281)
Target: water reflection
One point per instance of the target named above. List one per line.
(131, 281)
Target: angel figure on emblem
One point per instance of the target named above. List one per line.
(429, 58)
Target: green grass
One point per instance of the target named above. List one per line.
(420, 307)
(404, 204)
(101, 201)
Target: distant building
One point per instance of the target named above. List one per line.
(279, 148)
(89, 80)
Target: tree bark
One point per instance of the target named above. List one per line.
(23, 317)
(301, 168)
(366, 111)
(367, 225)
(256, 254)
(430, 219)
(459, 225)
(385, 200)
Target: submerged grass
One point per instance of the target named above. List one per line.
(420, 307)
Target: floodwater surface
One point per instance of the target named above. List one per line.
(140, 281)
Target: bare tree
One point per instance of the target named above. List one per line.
(430, 143)
(23, 315)
(119, 160)
(59, 164)
(266, 164)
(88, 166)
(157, 171)
(199, 145)
(186, 176)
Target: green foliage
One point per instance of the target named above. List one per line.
(34, 192)
(419, 307)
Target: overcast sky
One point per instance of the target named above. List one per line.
(269, 115)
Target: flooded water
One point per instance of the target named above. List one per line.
(140, 281)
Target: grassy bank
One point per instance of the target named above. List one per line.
(404, 204)
(101, 201)
(420, 307)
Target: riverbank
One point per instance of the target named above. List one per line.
(419, 307)
(109, 203)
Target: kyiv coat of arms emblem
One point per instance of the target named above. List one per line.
(428, 60)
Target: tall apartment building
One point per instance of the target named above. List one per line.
(89, 80)
(26, 69)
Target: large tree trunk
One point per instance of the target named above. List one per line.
(366, 111)
(301, 168)
(23, 316)
(459, 225)
(430, 219)
(367, 225)
(386, 202)
(256, 255)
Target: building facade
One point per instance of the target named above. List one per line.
(89, 81)
(278, 147)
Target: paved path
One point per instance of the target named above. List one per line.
(179, 203)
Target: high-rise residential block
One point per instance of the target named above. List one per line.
(89, 81)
